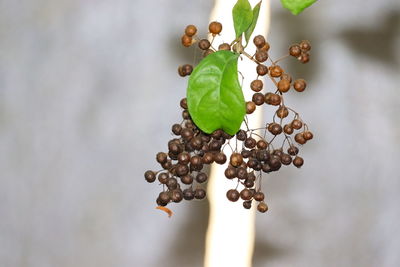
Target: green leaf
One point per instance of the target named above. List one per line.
(249, 31)
(297, 6)
(214, 95)
(242, 16)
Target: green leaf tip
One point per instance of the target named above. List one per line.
(249, 31)
(214, 95)
(297, 6)
(242, 16)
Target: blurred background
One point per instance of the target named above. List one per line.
(89, 91)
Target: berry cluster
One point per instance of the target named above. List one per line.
(254, 151)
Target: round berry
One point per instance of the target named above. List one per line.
(305, 45)
(188, 194)
(220, 158)
(150, 176)
(250, 107)
(295, 50)
(272, 99)
(183, 103)
(190, 30)
(282, 112)
(258, 196)
(236, 159)
(230, 172)
(246, 194)
(199, 193)
(297, 124)
(176, 195)
(224, 46)
(215, 27)
(308, 135)
(299, 85)
(247, 204)
(283, 86)
(201, 177)
(186, 40)
(204, 44)
(298, 161)
(293, 150)
(288, 129)
(261, 56)
(262, 69)
(161, 157)
(187, 179)
(275, 128)
(233, 195)
(256, 85)
(262, 207)
(275, 71)
(259, 41)
(258, 99)
(299, 138)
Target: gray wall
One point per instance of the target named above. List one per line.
(88, 91)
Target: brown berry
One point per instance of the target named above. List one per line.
(304, 58)
(299, 85)
(258, 196)
(256, 85)
(261, 56)
(246, 194)
(275, 71)
(215, 27)
(286, 76)
(208, 52)
(150, 176)
(265, 47)
(163, 177)
(298, 161)
(220, 158)
(262, 207)
(224, 46)
(204, 44)
(295, 50)
(183, 103)
(199, 193)
(288, 129)
(208, 158)
(187, 69)
(230, 172)
(297, 124)
(250, 142)
(184, 158)
(190, 30)
(283, 86)
(233, 195)
(187, 179)
(305, 45)
(250, 107)
(186, 40)
(161, 157)
(286, 159)
(272, 99)
(262, 69)
(241, 135)
(247, 204)
(262, 144)
(293, 150)
(299, 138)
(282, 112)
(236, 159)
(275, 128)
(258, 99)
(201, 177)
(308, 135)
(259, 41)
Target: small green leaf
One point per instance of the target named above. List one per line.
(249, 31)
(242, 16)
(214, 95)
(297, 6)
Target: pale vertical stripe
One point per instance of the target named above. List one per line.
(231, 228)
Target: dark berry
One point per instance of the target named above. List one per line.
(246, 194)
(201, 177)
(258, 99)
(204, 44)
(187, 179)
(256, 85)
(233, 195)
(295, 50)
(199, 193)
(188, 194)
(298, 161)
(259, 41)
(220, 158)
(230, 172)
(241, 135)
(247, 204)
(262, 69)
(161, 157)
(258, 196)
(163, 177)
(250, 142)
(176, 196)
(261, 56)
(150, 176)
(172, 183)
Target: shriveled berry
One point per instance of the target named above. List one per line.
(204, 44)
(250, 107)
(261, 56)
(150, 176)
(283, 86)
(275, 71)
(190, 30)
(272, 99)
(233, 195)
(259, 41)
(258, 99)
(262, 207)
(262, 69)
(299, 85)
(298, 161)
(215, 27)
(295, 50)
(256, 85)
